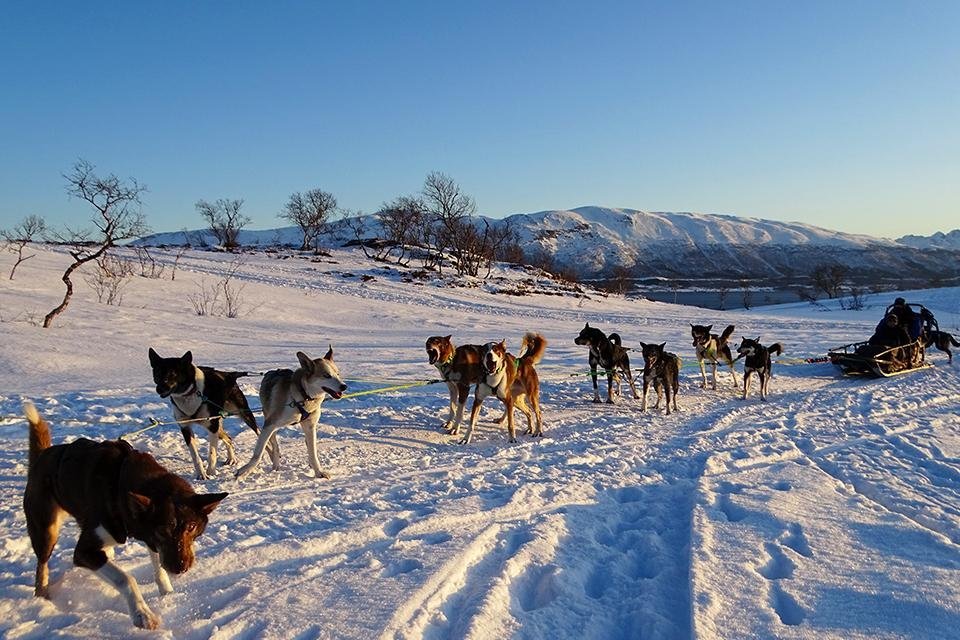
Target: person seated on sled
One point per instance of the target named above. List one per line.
(883, 345)
(909, 319)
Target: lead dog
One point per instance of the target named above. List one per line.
(295, 397)
(606, 352)
(198, 396)
(461, 368)
(713, 348)
(662, 368)
(757, 360)
(512, 380)
(114, 492)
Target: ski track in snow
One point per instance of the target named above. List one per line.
(730, 518)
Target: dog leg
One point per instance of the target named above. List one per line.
(668, 392)
(764, 377)
(309, 427)
(596, 390)
(746, 382)
(273, 448)
(213, 438)
(228, 443)
(633, 387)
(714, 375)
(187, 432)
(452, 409)
(658, 387)
(90, 554)
(733, 372)
(511, 428)
(703, 373)
(676, 391)
(160, 575)
(521, 404)
(478, 397)
(269, 431)
(535, 401)
(462, 392)
(43, 526)
(610, 387)
(646, 387)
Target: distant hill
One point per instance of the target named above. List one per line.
(939, 240)
(593, 241)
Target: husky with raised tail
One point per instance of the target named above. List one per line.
(713, 348)
(757, 360)
(514, 381)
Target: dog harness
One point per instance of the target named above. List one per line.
(299, 404)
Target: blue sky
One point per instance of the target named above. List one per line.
(844, 115)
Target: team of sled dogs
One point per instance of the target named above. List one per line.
(116, 492)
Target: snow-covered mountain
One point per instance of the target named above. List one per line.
(939, 240)
(593, 241)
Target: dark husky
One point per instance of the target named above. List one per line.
(663, 369)
(712, 348)
(941, 340)
(757, 360)
(198, 396)
(115, 493)
(606, 352)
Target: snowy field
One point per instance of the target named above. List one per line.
(830, 511)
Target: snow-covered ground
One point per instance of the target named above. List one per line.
(831, 511)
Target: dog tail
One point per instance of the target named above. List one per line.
(615, 339)
(776, 347)
(953, 341)
(726, 334)
(534, 345)
(39, 432)
(231, 377)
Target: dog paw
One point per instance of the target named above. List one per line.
(596, 401)
(145, 619)
(463, 441)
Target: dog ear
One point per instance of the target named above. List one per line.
(757, 340)
(448, 338)
(207, 502)
(586, 326)
(187, 357)
(329, 354)
(305, 362)
(709, 328)
(138, 503)
(691, 325)
(643, 344)
(154, 357)
(662, 345)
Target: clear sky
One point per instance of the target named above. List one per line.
(839, 114)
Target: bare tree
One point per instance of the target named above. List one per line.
(747, 294)
(830, 279)
(400, 220)
(118, 217)
(452, 211)
(17, 238)
(224, 220)
(722, 293)
(109, 278)
(310, 211)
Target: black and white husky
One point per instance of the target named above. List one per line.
(757, 360)
(295, 397)
(712, 348)
(607, 353)
(200, 395)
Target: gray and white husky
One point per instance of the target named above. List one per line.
(294, 397)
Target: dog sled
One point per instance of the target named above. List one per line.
(874, 358)
(865, 359)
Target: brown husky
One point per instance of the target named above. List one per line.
(511, 379)
(461, 368)
(114, 492)
(295, 397)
